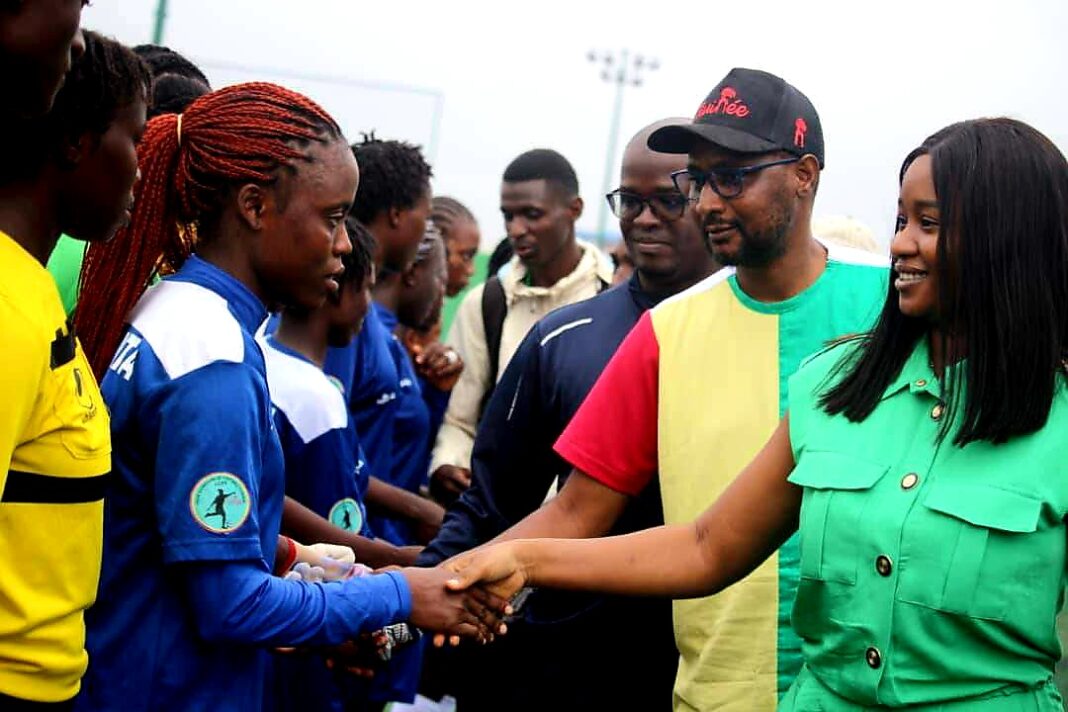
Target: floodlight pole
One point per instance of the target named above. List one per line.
(619, 69)
(161, 20)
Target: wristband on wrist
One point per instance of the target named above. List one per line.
(291, 555)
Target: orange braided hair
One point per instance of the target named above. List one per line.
(240, 134)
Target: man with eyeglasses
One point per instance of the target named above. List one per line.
(698, 386)
(570, 652)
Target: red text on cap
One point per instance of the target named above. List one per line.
(728, 103)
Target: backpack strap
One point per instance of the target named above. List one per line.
(494, 310)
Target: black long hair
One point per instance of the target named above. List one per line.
(1002, 190)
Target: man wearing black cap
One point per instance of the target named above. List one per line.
(699, 384)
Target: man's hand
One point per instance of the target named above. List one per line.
(440, 365)
(448, 482)
(454, 612)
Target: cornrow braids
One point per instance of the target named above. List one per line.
(447, 212)
(189, 163)
(431, 236)
(393, 174)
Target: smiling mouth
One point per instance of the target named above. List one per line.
(906, 278)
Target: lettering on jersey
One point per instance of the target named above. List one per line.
(220, 502)
(123, 363)
(386, 398)
(728, 103)
(347, 515)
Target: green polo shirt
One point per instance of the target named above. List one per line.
(931, 576)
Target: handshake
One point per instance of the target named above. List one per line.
(466, 596)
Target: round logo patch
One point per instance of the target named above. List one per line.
(219, 502)
(347, 515)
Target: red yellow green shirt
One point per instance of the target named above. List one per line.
(691, 396)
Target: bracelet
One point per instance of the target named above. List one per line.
(291, 555)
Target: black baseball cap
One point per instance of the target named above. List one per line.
(749, 111)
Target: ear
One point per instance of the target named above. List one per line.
(575, 207)
(408, 278)
(807, 171)
(394, 217)
(75, 150)
(252, 204)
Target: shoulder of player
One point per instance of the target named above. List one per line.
(311, 403)
(189, 327)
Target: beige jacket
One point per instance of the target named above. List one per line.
(526, 305)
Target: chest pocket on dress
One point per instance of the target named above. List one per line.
(832, 511)
(966, 550)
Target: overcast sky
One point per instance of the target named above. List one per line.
(507, 76)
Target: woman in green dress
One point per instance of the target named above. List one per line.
(923, 463)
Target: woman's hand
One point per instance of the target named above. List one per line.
(497, 569)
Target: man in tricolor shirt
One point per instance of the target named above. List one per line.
(699, 385)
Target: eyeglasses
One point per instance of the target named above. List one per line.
(726, 182)
(626, 205)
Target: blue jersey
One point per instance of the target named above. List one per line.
(193, 513)
(323, 459)
(411, 432)
(367, 372)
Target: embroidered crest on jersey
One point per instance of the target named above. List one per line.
(347, 515)
(220, 502)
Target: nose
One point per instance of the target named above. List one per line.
(903, 244)
(469, 268)
(516, 227)
(646, 218)
(342, 244)
(708, 202)
(77, 46)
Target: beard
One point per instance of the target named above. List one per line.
(758, 247)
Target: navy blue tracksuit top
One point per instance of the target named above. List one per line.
(607, 652)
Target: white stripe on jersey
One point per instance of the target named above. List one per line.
(312, 404)
(188, 327)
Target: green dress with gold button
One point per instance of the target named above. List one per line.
(931, 574)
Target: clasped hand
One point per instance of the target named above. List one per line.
(491, 575)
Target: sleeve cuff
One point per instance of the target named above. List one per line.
(404, 594)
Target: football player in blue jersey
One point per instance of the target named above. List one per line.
(189, 604)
